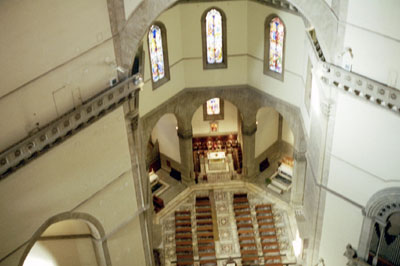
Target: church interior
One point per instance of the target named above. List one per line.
(199, 132)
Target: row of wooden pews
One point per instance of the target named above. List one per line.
(183, 238)
(244, 225)
(267, 232)
(205, 233)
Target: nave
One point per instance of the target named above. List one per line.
(222, 223)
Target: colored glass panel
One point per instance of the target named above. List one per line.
(276, 36)
(213, 106)
(156, 53)
(214, 36)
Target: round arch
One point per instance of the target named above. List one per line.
(98, 234)
(168, 141)
(248, 101)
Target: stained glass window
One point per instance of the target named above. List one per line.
(276, 37)
(156, 53)
(214, 36)
(213, 107)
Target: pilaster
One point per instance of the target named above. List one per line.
(249, 140)
(299, 174)
(185, 136)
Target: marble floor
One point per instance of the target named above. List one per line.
(226, 244)
(175, 187)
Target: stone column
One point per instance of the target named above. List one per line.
(185, 148)
(299, 174)
(249, 141)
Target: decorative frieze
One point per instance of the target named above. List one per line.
(362, 87)
(67, 125)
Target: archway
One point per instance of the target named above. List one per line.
(274, 142)
(68, 239)
(163, 159)
(217, 141)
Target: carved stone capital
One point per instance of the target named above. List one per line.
(249, 130)
(134, 118)
(299, 156)
(326, 108)
(185, 134)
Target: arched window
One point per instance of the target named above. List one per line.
(213, 109)
(213, 106)
(157, 45)
(213, 23)
(274, 47)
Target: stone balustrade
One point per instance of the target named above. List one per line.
(68, 124)
(360, 86)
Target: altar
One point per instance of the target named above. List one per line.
(217, 167)
(216, 163)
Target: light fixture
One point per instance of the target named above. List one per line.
(297, 245)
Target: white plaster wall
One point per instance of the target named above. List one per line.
(31, 49)
(287, 134)
(341, 226)
(267, 129)
(372, 33)
(90, 173)
(292, 89)
(364, 150)
(52, 58)
(166, 134)
(67, 227)
(66, 252)
(150, 98)
(228, 125)
(376, 16)
(367, 136)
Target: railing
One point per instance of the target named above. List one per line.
(358, 85)
(68, 124)
(362, 87)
